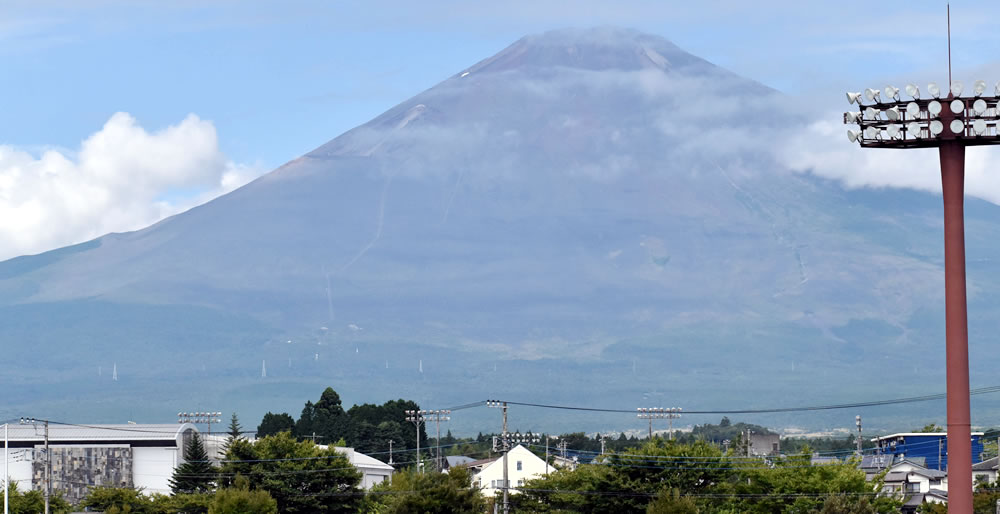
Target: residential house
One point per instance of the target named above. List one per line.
(915, 484)
(985, 471)
(522, 465)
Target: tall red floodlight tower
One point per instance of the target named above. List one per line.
(948, 123)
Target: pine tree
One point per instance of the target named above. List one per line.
(235, 434)
(196, 474)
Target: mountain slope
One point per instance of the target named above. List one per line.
(583, 204)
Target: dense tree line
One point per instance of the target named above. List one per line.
(367, 428)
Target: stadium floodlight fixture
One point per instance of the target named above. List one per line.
(872, 113)
(956, 88)
(957, 126)
(873, 133)
(936, 128)
(892, 131)
(914, 129)
(979, 127)
(853, 135)
(978, 87)
(934, 107)
(855, 98)
(934, 90)
(913, 110)
(979, 106)
(957, 106)
(852, 117)
(892, 92)
(913, 91)
(892, 113)
(873, 95)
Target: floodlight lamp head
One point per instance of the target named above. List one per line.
(979, 127)
(957, 106)
(854, 98)
(978, 87)
(934, 108)
(914, 129)
(956, 88)
(957, 126)
(979, 106)
(892, 92)
(851, 117)
(892, 113)
(892, 131)
(913, 110)
(872, 95)
(934, 90)
(871, 113)
(913, 91)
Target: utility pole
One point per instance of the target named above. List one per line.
(547, 437)
(438, 416)
(416, 417)
(857, 421)
(748, 441)
(602, 444)
(47, 472)
(6, 475)
(505, 447)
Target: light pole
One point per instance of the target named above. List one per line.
(416, 417)
(437, 416)
(650, 413)
(206, 418)
(672, 414)
(950, 124)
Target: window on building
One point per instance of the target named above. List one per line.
(913, 487)
(774, 447)
(519, 465)
(520, 483)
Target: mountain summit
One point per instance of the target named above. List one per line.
(583, 204)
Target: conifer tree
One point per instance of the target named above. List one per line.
(196, 474)
(235, 434)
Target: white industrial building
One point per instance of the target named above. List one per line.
(83, 456)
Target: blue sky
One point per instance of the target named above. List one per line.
(269, 81)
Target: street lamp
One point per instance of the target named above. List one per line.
(949, 124)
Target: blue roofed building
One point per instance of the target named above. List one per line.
(932, 447)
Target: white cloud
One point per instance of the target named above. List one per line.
(122, 178)
(822, 148)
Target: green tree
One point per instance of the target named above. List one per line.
(427, 493)
(235, 432)
(239, 499)
(120, 499)
(670, 501)
(33, 502)
(275, 423)
(931, 428)
(301, 477)
(196, 474)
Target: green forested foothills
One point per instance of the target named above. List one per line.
(367, 428)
